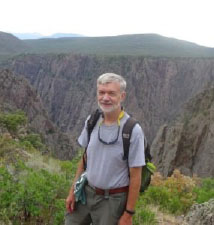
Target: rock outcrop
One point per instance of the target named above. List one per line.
(201, 214)
(16, 93)
(188, 143)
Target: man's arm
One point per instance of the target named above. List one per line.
(70, 200)
(134, 188)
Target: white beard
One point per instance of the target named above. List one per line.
(108, 109)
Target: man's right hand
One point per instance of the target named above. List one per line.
(70, 202)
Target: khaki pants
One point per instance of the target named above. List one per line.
(98, 210)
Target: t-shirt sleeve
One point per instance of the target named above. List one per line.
(136, 149)
(83, 138)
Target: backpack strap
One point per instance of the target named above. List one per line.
(148, 156)
(90, 126)
(126, 135)
(92, 122)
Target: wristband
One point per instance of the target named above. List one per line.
(131, 212)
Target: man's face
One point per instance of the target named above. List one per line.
(109, 96)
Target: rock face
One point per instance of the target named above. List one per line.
(157, 87)
(188, 143)
(16, 93)
(201, 214)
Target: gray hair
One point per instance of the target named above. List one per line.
(112, 77)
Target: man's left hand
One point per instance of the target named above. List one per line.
(125, 219)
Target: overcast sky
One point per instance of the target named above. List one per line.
(191, 20)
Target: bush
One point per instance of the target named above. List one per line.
(173, 194)
(32, 140)
(143, 215)
(12, 120)
(7, 193)
(205, 191)
(33, 196)
(9, 149)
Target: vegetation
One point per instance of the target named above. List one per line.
(32, 140)
(11, 121)
(34, 193)
(38, 196)
(205, 191)
(174, 195)
(32, 196)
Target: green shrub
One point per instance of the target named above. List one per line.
(6, 145)
(167, 200)
(12, 120)
(38, 193)
(32, 196)
(7, 194)
(205, 191)
(143, 215)
(174, 194)
(32, 140)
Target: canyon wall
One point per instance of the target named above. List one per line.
(157, 87)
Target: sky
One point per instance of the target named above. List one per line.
(190, 20)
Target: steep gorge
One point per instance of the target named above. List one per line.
(157, 87)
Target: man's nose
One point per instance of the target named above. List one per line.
(106, 97)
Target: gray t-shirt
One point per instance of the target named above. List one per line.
(106, 168)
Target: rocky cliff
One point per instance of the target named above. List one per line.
(188, 143)
(16, 93)
(157, 87)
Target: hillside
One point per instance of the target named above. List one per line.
(139, 44)
(9, 44)
(187, 143)
(132, 45)
(17, 94)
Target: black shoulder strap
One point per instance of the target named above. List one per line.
(90, 126)
(148, 156)
(126, 135)
(92, 122)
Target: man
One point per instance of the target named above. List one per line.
(113, 183)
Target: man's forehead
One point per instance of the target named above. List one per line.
(109, 85)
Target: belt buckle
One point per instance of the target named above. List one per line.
(106, 194)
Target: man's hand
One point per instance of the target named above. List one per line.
(125, 219)
(70, 202)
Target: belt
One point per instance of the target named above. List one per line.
(100, 191)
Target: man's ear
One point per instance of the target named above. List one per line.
(123, 96)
